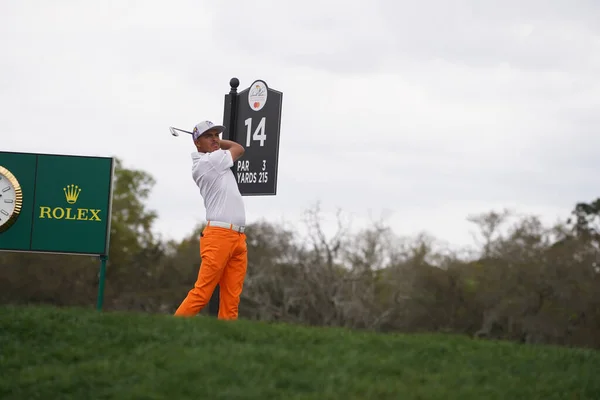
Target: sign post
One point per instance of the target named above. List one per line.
(57, 204)
(252, 118)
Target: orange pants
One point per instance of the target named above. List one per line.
(224, 262)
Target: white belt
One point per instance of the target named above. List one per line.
(233, 227)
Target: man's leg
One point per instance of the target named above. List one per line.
(214, 251)
(232, 280)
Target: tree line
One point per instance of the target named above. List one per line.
(526, 282)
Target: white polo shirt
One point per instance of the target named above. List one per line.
(218, 187)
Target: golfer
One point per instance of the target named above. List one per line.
(223, 242)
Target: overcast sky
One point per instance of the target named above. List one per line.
(444, 108)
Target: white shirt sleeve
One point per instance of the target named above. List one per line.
(220, 160)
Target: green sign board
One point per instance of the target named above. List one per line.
(66, 203)
(55, 203)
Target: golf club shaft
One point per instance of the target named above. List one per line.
(181, 130)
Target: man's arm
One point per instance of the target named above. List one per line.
(234, 148)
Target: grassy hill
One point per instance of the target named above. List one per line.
(51, 354)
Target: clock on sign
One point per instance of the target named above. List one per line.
(11, 199)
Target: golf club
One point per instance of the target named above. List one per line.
(175, 133)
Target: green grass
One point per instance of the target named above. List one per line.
(50, 353)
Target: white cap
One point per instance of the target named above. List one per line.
(204, 126)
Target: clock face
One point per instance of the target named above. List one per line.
(11, 199)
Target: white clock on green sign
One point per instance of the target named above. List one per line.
(11, 199)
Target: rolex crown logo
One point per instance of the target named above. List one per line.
(72, 193)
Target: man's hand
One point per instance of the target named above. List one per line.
(234, 148)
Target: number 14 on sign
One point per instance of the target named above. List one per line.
(259, 132)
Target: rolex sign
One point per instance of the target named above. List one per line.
(66, 202)
(70, 213)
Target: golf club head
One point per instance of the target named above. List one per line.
(175, 131)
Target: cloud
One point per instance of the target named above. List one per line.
(356, 36)
(431, 110)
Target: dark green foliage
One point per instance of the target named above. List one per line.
(526, 283)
